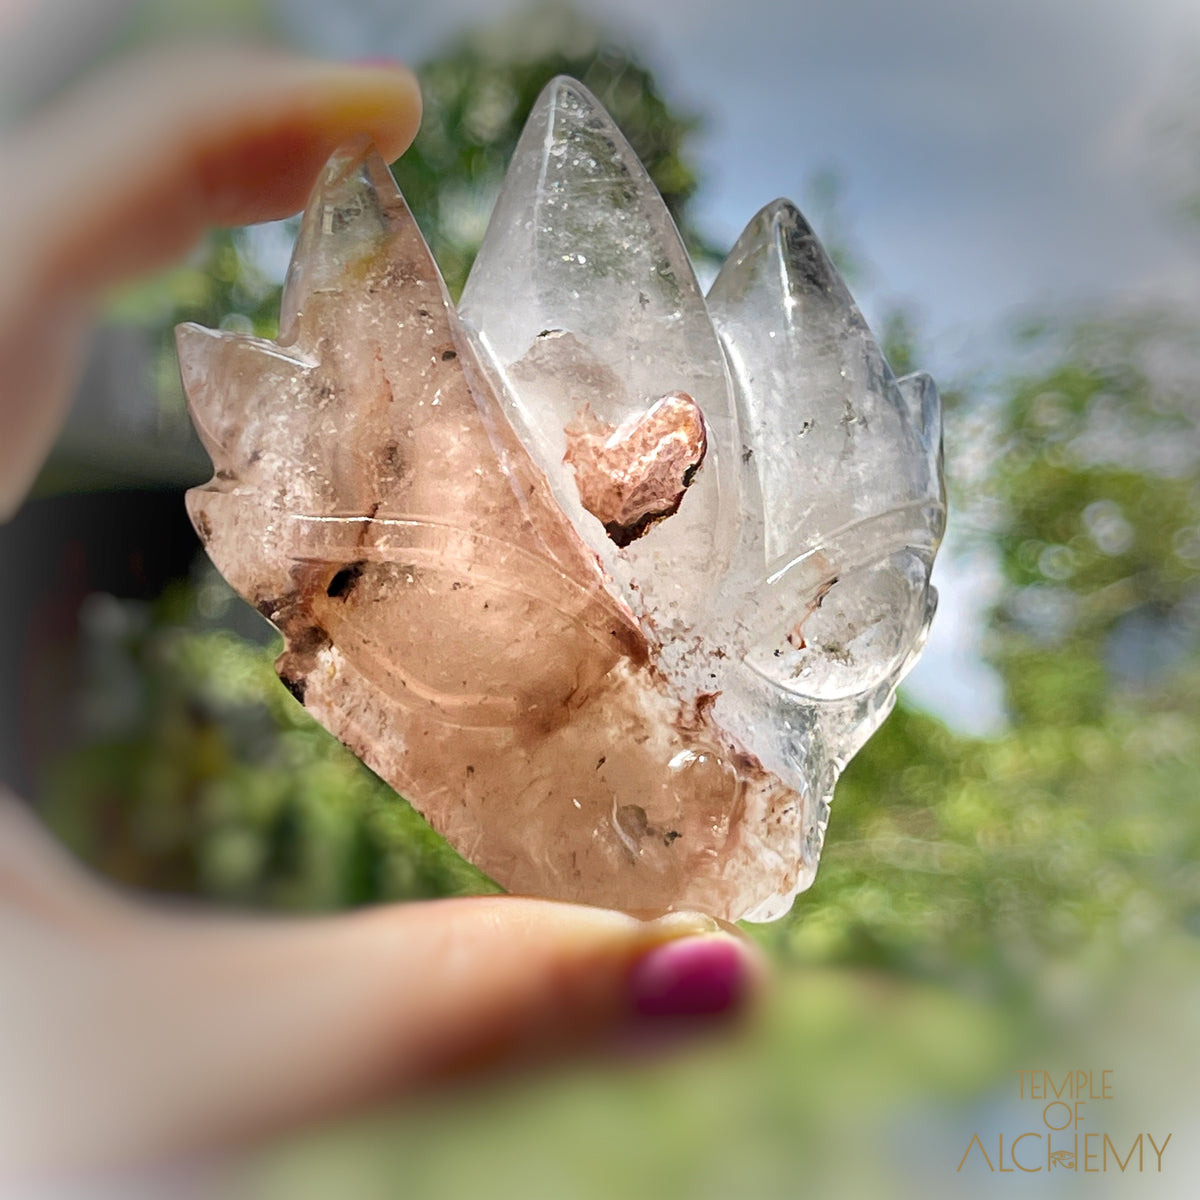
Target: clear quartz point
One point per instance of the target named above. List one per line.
(609, 581)
(585, 307)
(829, 599)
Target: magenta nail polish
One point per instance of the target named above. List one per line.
(696, 977)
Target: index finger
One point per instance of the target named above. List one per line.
(122, 175)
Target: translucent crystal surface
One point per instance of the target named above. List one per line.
(584, 302)
(608, 580)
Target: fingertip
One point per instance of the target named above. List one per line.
(171, 142)
(702, 980)
(262, 168)
(518, 981)
(379, 98)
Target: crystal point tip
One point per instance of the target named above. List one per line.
(609, 580)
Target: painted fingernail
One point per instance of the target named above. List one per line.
(691, 978)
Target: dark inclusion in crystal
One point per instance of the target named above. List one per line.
(609, 588)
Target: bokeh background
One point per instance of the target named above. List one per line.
(1012, 875)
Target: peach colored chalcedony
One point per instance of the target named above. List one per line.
(609, 579)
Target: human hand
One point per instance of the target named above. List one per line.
(124, 173)
(129, 1034)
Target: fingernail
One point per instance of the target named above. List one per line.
(691, 978)
(671, 926)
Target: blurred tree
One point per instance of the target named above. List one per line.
(201, 774)
(1073, 836)
(479, 92)
(218, 784)
(1098, 515)
(964, 858)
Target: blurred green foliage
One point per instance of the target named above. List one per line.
(479, 92)
(476, 94)
(806, 1106)
(218, 782)
(204, 775)
(1072, 834)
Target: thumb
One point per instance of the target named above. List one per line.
(221, 1031)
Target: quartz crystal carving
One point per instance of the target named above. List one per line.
(609, 579)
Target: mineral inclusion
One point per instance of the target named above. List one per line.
(610, 579)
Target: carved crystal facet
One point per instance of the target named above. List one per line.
(609, 580)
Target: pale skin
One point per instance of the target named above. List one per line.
(131, 1034)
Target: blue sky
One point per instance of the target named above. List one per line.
(995, 153)
(995, 156)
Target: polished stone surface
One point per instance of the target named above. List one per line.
(609, 580)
